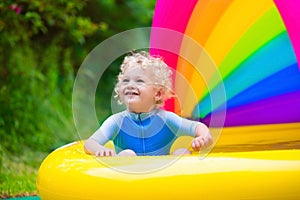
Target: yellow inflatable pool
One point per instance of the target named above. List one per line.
(70, 174)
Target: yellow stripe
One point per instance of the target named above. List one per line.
(234, 23)
(265, 29)
(239, 16)
(202, 21)
(259, 135)
(250, 138)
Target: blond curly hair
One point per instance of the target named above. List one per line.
(162, 73)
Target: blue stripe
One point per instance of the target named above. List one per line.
(271, 58)
(285, 81)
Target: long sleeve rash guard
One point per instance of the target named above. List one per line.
(151, 133)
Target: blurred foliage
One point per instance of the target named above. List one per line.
(42, 45)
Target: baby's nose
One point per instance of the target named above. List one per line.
(130, 85)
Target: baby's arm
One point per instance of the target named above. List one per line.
(182, 126)
(91, 146)
(95, 144)
(203, 137)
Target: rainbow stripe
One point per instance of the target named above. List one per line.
(249, 52)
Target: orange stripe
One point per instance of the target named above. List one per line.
(202, 21)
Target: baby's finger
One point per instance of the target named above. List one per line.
(193, 144)
(201, 141)
(97, 153)
(102, 152)
(106, 152)
(197, 145)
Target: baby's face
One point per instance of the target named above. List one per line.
(137, 90)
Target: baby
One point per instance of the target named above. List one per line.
(144, 128)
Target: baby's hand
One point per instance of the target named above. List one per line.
(105, 152)
(202, 141)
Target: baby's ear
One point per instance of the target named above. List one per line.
(159, 95)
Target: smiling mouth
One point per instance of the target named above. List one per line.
(131, 93)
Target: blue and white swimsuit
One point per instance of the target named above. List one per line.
(151, 133)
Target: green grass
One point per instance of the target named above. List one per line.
(18, 173)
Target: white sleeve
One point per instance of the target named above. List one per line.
(108, 129)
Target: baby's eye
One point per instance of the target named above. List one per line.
(140, 81)
(125, 80)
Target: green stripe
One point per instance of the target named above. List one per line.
(268, 27)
